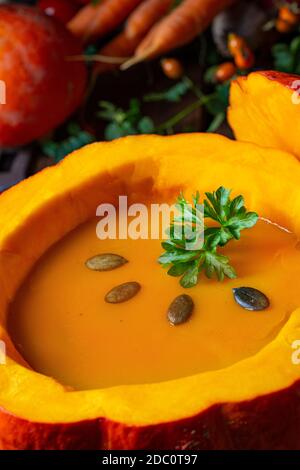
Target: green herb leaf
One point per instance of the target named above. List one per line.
(287, 56)
(177, 256)
(124, 122)
(283, 57)
(178, 269)
(216, 122)
(229, 216)
(210, 74)
(76, 139)
(146, 125)
(172, 94)
(218, 101)
(215, 264)
(190, 278)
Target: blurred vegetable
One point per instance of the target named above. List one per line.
(283, 26)
(120, 48)
(181, 26)
(235, 43)
(241, 52)
(287, 56)
(42, 87)
(172, 94)
(225, 72)
(287, 14)
(95, 20)
(126, 42)
(63, 10)
(76, 139)
(244, 59)
(288, 18)
(244, 18)
(172, 68)
(145, 16)
(125, 122)
(217, 102)
(132, 121)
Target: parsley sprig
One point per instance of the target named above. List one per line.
(125, 122)
(132, 121)
(287, 56)
(230, 217)
(174, 94)
(75, 139)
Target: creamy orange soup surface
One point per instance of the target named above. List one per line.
(62, 326)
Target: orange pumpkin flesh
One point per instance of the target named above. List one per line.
(252, 403)
(265, 110)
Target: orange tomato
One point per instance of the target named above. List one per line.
(172, 68)
(283, 26)
(286, 14)
(244, 59)
(235, 43)
(225, 72)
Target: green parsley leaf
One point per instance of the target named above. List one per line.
(76, 139)
(229, 217)
(218, 101)
(124, 122)
(287, 56)
(190, 277)
(172, 94)
(215, 264)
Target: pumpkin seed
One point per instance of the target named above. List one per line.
(122, 293)
(180, 309)
(250, 298)
(105, 262)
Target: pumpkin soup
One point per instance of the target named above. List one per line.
(64, 328)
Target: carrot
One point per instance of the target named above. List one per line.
(94, 21)
(137, 26)
(120, 46)
(183, 24)
(79, 24)
(145, 16)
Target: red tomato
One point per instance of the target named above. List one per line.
(63, 10)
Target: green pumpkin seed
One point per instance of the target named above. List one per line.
(105, 262)
(250, 298)
(180, 309)
(122, 293)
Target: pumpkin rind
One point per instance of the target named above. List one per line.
(263, 423)
(265, 110)
(251, 404)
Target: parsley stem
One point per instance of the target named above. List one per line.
(198, 93)
(216, 122)
(181, 115)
